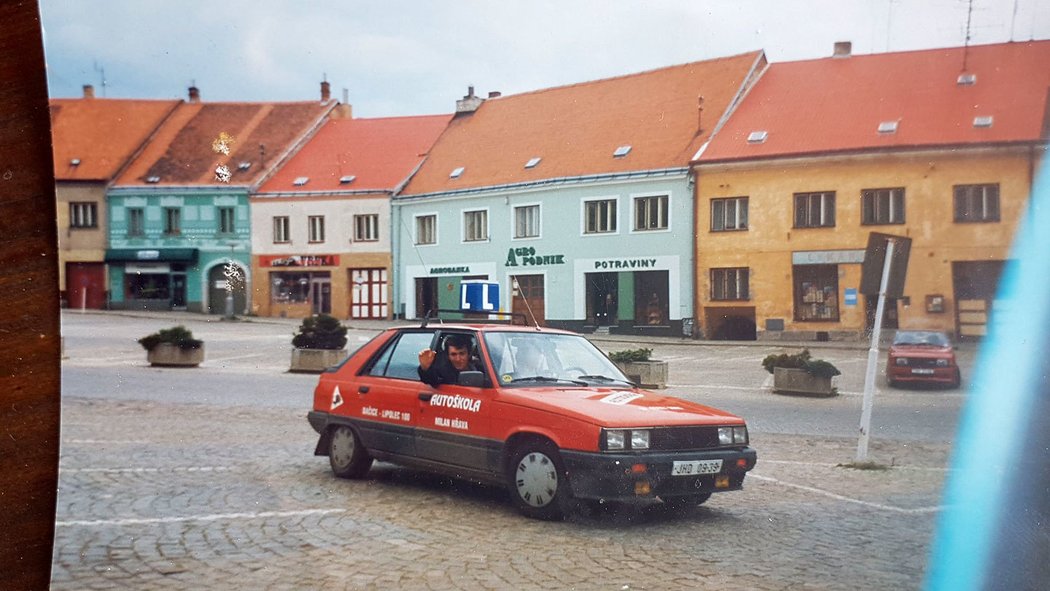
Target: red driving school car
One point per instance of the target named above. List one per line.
(540, 411)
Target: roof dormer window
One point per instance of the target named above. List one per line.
(982, 121)
(622, 151)
(300, 181)
(966, 79)
(456, 173)
(757, 137)
(533, 162)
(152, 179)
(888, 127)
(74, 162)
(346, 180)
(244, 165)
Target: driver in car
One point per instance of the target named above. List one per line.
(437, 369)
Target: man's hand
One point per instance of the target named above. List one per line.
(426, 358)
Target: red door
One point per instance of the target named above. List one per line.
(86, 285)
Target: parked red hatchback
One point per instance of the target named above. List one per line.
(922, 357)
(542, 412)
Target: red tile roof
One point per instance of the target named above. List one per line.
(575, 129)
(836, 104)
(380, 153)
(181, 153)
(103, 134)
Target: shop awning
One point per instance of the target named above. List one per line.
(143, 255)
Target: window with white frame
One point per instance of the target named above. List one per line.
(527, 221)
(976, 203)
(882, 206)
(226, 220)
(366, 228)
(136, 222)
(83, 214)
(316, 228)
(730, 284)
(729, 214)
(815, 210)
(426, 229)
(650, 213)
(475, 226)
(281, 229)
(600, 216)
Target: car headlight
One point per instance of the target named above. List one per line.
(615, 439)
(902, 361)
(740, 435)
(725, 436)
(639, 439)
(942, 363)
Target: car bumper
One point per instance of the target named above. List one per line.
(648, 475)
(939, 375)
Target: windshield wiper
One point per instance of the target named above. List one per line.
(597, 378)
(547, 379)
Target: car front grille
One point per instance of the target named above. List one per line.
(921, 362)
(683, 438)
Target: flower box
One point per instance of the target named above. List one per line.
(169, 355)
(315, 360)
(801, 382)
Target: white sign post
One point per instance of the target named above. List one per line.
(873, 358)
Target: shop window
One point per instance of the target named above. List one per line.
(147, 286)
(316, 223)
(527, 221)
(475, 226)
(976, 203)
(292, 288)
(227, 220)
(366, 228)
(136, 222)
(650, 298)
(730, 284)
(882, 206)
(426, 229)
(172, 221)
(600, 217)
(281, 229)
(83, 214)
(729, 214)
(650, 213)
(815, 210)
(816, 292)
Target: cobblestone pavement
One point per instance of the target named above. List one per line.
(155, 495)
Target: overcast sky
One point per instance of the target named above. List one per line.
(400, 57)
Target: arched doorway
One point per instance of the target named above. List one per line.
(217, 290)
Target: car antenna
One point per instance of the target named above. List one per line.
(514, 284)
(426, 319)
(415, 247)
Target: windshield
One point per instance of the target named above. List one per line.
(536, 359)
(933, 339)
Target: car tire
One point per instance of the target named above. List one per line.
(538, 482)
(346, 455)
(958, 380)
(685, 502)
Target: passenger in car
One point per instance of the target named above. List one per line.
(444, 368)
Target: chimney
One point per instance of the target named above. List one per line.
(195, 94)
(699, 113)
(89, 91)
(326, 91)
(469, 103)
(495, 94)
(842, 49)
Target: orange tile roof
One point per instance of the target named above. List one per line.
(103, 134)
(380, 153)
(837, 104)
(575, 129)
(181, 153)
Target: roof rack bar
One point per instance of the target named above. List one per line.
(434, 314)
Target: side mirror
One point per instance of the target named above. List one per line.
(473, 379)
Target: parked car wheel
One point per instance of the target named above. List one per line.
(348, 458)
(538, 482)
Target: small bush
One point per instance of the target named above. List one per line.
(177, 335)
(320, 332)
(631, 355)
(814, 367)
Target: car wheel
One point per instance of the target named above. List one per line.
(686, 501)
(348, 458)
(538, 482)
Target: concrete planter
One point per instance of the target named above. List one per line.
(800, 382)
(315, 360)
(168, 355)
(647, 374)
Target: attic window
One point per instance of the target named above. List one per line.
(346, 180)
(300, 181)
(756, 137)
(982, 121)
(456, 173)
(966, 79)
(621, 151)
(153, 179)
(888, 127)
(244, 165)
(533, 162)
(74, 162)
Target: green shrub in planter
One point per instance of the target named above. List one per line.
(631, 355)
(179, 336)
(804, 361)
(320, 332)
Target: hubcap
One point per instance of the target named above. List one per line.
(536, 479)
(342, 448)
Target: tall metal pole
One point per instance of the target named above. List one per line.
(873, 358)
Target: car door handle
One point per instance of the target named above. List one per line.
(426, 396)
(362, 390)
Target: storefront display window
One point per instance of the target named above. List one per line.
(650, 298)
(147, 286)
(290, 288)
(816, 292)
